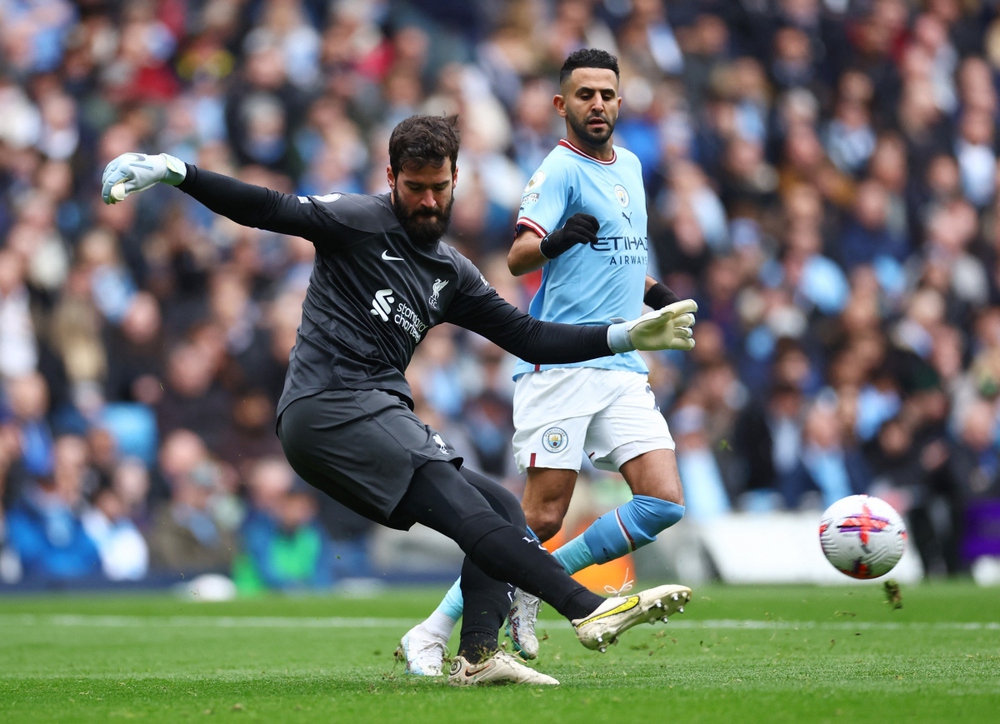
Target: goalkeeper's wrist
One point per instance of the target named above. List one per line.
(659, 296)
(619, 340)
(176, 170)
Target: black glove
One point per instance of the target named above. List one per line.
(579, 229)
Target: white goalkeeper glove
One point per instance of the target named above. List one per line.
(132, 172)
(667, 328)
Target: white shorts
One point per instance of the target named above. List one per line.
(610, 416)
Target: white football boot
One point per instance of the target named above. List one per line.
(521, 624)
(500, 668)
(618, 614)
(422, 651)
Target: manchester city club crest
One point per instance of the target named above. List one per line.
(554, 439)
(621, 194)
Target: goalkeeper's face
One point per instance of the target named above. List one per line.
(590, 104)
(422, 199)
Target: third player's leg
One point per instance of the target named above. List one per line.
(654, 474)
(631, 436)
(547, 493)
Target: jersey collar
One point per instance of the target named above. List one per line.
(563, 142)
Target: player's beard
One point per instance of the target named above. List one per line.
(592, 136)
(423, 226)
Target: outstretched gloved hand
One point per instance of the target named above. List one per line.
(133, 172)
(667, 328)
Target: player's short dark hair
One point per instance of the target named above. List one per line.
(422, 141)
(588, 58)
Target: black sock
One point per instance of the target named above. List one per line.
(477, 649)
(511, 555)
(487, 601)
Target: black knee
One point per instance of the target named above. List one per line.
(500, 499)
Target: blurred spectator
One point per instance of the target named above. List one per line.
(192, 397)
(828, 464)
(973, 474)
(284, 25)
(135, 370)
(867, 237)
(533, 135)
(122, 549)
(705, 493)
(187, 534)
(130, 482)
(436, 368)
(45, 528)
(141, 71)
(488, 416)
(18, 347)
(648, 44)
(689, 188)
(250, 434)
(768, 439)
(180, 453)
(263, 111)
(575, 26)
(849, 137)
(813, 280)
(976, 155)
(285, 547)
(76, 325)
(704, 44)
(792, 64)
(28, 401)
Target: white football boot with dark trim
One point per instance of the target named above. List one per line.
(422, 652)
(618, 614)
(521, 624)
(500, 668)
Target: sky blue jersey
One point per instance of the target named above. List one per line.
(590, 283)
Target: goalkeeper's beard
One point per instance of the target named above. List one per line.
(423, 226)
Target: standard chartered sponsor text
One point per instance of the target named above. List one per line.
(406, 318)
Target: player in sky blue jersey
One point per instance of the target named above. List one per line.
(583, 221)
(604, 278)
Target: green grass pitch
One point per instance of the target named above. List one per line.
(739, 654)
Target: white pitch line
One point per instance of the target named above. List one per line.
(201, 621)
(290, 622)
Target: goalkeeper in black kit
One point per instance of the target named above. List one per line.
(382, 277)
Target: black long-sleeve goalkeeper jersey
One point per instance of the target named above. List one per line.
(373, 293)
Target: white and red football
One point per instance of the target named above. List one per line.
(862, 536)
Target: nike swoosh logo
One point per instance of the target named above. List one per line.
(473, 671)
(630, 603)
(385, 255)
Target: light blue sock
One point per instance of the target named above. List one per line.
(452, 603)
(627, 528)
(575, 555)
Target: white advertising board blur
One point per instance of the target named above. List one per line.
(782, 548)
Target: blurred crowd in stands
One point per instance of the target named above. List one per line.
(822, 177)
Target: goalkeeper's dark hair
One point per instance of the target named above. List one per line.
(422, 141)
(589, 58)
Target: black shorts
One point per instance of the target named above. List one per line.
(360, 447)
